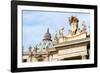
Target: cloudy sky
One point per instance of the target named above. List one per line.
(35, 24)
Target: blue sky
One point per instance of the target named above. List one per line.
(35, 24)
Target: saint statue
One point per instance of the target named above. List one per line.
(61, 32)
(56, 35)
(73, 24)
(56, 38)
(84, 26)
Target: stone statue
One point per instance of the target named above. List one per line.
(61, 32)
(56, 35)
(84, 26)
(56, 38)
(73, 24)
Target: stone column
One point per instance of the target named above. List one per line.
(83, 57)
(50, 58)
